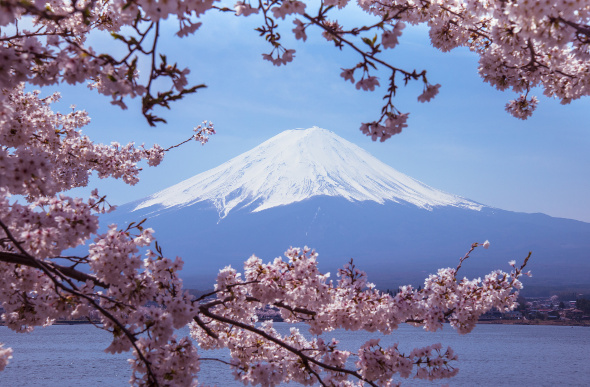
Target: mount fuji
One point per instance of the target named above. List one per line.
(297, 165)
(311, 187)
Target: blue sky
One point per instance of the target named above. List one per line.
(462, 142)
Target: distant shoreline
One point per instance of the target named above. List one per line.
(570, 323)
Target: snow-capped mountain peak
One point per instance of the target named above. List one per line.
(296, 165)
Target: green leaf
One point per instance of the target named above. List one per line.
(117, 36)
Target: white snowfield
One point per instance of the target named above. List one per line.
(296, 165)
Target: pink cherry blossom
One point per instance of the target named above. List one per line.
(522, 107)
(245, 9)
(348, 75)
(429, 93)
(368, 83)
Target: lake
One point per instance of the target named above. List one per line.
(492, 355)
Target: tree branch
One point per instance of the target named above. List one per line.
(70, 272)
(205, 311)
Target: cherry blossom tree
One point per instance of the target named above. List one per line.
(125, 278)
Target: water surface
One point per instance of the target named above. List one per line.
(492, 355)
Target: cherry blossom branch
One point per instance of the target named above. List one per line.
(30, 35)
(366, 55)
(202, 133)
(24, 258)
(581, 29)
(227, 288)
(473, 246)
(120, 325)
(204, 327)
(217, 360)
(292, 309)
(52, 270)
(45, 14)
(305, 359)
(67, 271)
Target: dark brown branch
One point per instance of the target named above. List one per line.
(281, 304)
(581, 29)
(204, 327)
(526, 260)
(473, 246)
(70, 272)
(227, 288)
(364, 54)
(219, 360)
(13, 240)
(316, 375)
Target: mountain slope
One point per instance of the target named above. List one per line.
(297, 165)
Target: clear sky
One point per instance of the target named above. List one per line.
(462, 142)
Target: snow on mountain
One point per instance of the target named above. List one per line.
(296, 165)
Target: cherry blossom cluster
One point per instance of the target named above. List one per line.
(260, 355)
(53, 47)
(394, 123)
(141, 304)
(147, 296)
(139, 300)
(44, 153)
(521, 45)
(522, 107)
(431, 362)
(203, 131)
